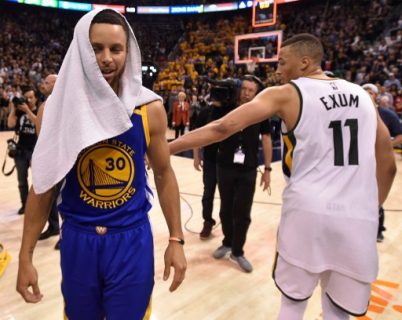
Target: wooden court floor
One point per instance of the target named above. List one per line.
(212, 290)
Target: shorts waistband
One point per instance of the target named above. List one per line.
(101, 229)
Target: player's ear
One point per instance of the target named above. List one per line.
(305, 62)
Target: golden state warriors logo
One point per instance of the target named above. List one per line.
(105, 173)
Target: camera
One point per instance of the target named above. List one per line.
(224, 91)
(12, 148)
(19, 100)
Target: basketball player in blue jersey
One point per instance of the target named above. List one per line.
(332, 140)
(106, 243)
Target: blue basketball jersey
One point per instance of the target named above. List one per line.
(108, 184)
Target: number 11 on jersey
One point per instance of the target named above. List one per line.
(336, 127)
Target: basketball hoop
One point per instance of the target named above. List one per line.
(252, 64)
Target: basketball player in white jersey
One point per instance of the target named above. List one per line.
(333, 138)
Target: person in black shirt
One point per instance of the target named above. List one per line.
(53, 220)
(394, 126)
(23, 118)
(208, 164)
(237, 160)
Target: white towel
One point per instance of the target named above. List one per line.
(83, 109)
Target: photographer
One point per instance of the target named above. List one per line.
(23, 118)
(237, 161)
(53, 228)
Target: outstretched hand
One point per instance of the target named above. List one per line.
(174, 257)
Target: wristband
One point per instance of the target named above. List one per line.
(267, 169)
(179, 240)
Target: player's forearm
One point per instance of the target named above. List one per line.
(168, 193)
(206, 135)
(267, 149)
(386, 170)
(36, 214)
(32, 117)
(196, 153)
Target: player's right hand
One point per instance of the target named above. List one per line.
(197, 164)
(28, 278)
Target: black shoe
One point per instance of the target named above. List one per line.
(57, 246)
(380, 237)
(48, 233)
(21, 210)
(206, 230)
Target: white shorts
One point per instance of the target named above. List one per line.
(350, 295)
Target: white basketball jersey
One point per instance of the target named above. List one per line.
(330, 204)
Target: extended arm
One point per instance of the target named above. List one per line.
(275, 100)
(168, 191)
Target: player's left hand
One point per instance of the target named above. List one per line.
(174, 257)
(265, 180)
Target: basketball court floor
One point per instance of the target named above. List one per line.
(212, 290)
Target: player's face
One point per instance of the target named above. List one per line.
(109, 42)
(248, 91)
(288, 65)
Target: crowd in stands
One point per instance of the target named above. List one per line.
(33, 42)
(362, 41)
(353, 33)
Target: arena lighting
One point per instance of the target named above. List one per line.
(186, 9)
(245, 4)
(121, 9)
(176, 9)
(149, 74)
(149, 68)
(219, 7)
(194, 9)
(78, 6)
(41, 3)
(33, 2)
(50, 3)
(153, 10)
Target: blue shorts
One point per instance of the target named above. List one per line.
(108, 275)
